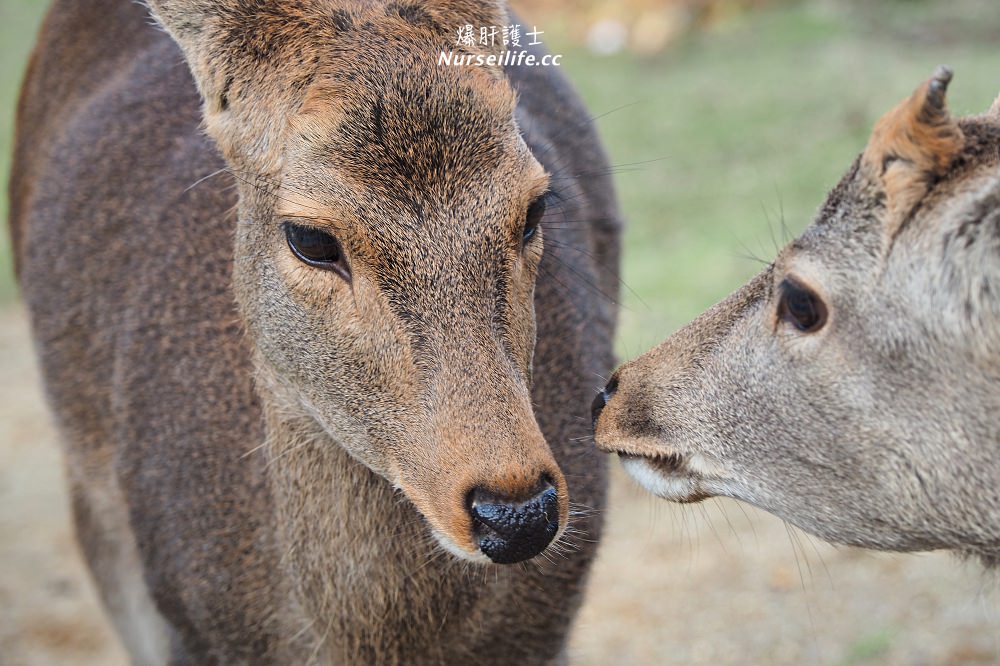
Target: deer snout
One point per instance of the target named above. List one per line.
(509, 530)
(602, 399)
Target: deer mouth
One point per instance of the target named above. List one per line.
(672, 476)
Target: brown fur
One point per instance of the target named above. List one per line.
(267, 459)
(913, 145)
(878, 428)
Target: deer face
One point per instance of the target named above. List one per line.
(386, 256)
(847, 388)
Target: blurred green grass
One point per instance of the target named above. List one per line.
(723, 144)
(19, 21)
(751, 126)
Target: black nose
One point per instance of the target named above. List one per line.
(514, 531)
(602, 399)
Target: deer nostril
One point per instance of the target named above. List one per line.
(602, 399)
(508, 531)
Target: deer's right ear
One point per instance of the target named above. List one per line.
(195, 26)
(231, 48)
(912, 145)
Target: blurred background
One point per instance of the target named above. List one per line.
(726, 121)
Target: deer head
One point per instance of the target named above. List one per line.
(386, 250)
(852, 387)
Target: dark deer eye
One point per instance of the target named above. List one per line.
(534, 217)
(316, 248)
(800, 307)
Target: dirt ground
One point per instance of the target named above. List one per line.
(710, 584)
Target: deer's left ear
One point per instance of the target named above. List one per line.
(912, 146)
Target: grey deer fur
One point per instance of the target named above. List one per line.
(880, 427)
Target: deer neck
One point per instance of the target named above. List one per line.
(361, 563)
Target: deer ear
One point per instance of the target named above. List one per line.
(194, 25)
(912, 146)
(233, 49)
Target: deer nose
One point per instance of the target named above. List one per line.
(602, 399)
(509, 531)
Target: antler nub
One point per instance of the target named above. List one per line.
(936, 89)
(915, 143)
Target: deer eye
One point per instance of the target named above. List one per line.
(533, 218)
(317, 248)
(801, 307)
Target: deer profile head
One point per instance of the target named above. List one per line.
(851, 387)
(386, 250)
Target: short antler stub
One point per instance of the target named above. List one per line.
(914, 143)
(937, 87)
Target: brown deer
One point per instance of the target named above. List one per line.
(853, 387)
(308, 407)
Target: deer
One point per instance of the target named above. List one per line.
(852, 388)
(318, 321)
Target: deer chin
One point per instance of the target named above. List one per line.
(448, 544)
(685, 478)
(477, 556)
(452, 534)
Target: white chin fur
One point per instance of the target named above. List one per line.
(674, 488)
(478, 557)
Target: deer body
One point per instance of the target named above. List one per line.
(271, 462)
(853, 387)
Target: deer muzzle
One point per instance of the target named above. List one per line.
(509, 530)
